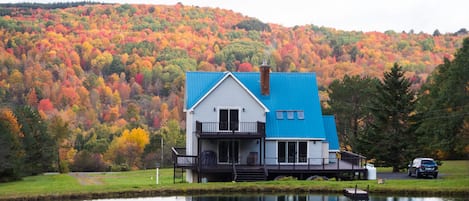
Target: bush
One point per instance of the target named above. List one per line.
(64, 167)
(88, 162)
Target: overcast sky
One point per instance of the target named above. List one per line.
(358, 15)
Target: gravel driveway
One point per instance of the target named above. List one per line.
(400, 175)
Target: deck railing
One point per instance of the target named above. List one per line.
(189, 161)
(180, 159)
(351, 163)
(211, 129)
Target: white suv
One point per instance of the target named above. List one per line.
(423, 167)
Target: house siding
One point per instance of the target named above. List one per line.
(315, 152)
(209, 92)
(271, 152)
(229, 94)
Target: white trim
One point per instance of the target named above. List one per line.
(219, 83)
(302, 139)
(297, 152)
(229, 108)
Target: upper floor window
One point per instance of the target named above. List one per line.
(228, 119)
(279, 114)
(300, 114)
(290, 115)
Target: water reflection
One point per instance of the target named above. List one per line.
(310, 197)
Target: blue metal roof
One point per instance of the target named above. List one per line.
(293, 92)
(198, 84)
(331, 132)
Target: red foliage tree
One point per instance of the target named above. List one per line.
(45, 105)
(245, 67)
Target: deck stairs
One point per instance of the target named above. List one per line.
(244, 174)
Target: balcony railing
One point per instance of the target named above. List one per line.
(180, 158)
(230, 129)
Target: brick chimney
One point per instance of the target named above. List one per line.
(265, 78)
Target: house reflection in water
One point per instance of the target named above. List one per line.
(271, 198)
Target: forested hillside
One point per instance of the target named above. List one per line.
(97, 70)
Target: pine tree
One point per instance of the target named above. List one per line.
(11, 151)
(348, 101)
(444, 108)
(388, 138)
(38, 145)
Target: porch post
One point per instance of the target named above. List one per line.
(198, 160)
(260, 151)
(232, 148)
(264, 148)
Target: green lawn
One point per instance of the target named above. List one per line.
(454, 181)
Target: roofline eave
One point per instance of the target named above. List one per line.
(221, 81)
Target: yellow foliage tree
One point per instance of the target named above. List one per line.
(128, 148)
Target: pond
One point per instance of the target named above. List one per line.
(283, 197)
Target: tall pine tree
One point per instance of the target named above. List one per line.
(444, 108)
(388, 138)
(39, 146)
(11, 152)
(348, 100)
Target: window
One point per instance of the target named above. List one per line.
(292, 152)
(300, 114)
(228, 119)
(228, 151)
(279, 114)
(281, 152)
(290, 115)
(302, 152)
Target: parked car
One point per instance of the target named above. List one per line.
(423, 167)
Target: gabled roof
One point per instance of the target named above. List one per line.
(289, 92)
(203, 93)
(331, 132)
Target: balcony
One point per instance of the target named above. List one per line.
(246, 130)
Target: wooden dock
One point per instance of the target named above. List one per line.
(356, 193)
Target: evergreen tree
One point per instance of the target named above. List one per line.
(444, 108)
(348, 99)
(388, 138)
(39, 147)
(11, 151)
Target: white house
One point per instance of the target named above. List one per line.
(253, 126)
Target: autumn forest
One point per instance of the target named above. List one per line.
(98, 87)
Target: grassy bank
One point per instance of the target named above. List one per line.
(454, 181)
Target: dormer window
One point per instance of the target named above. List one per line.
(300, 114)
(290, 115)
(279, 114)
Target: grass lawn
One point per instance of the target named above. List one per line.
(454, 181)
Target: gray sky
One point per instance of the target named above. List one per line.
(358, 15)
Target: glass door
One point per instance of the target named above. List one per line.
(228, 119)
(291, 152)
(228, 151)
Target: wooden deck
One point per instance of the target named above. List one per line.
(356, 193)
(340, 169)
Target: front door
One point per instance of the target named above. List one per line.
(228, 151)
